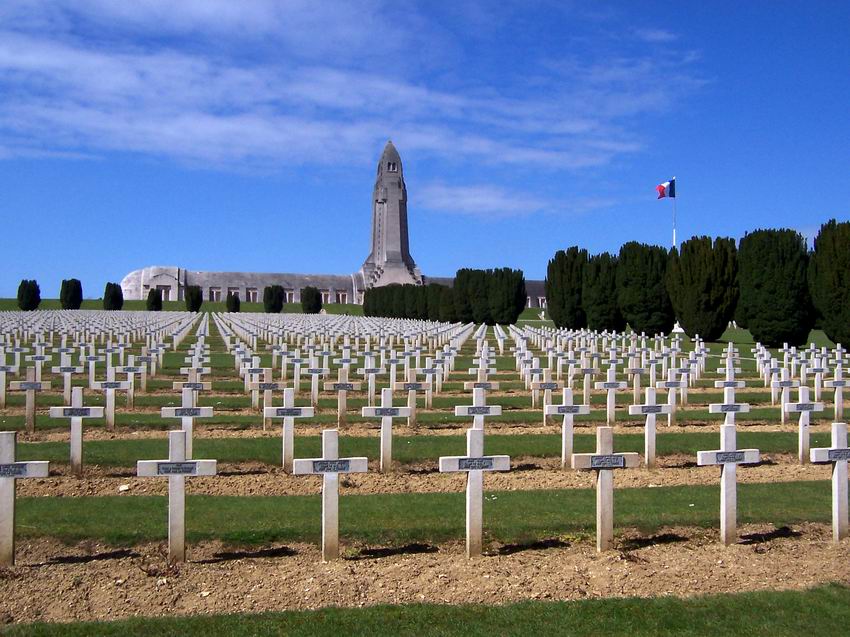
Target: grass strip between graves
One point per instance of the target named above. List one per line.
(406, 450)
(823, 611)
(398, 519)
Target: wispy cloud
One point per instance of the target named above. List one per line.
(266, 84)
(655, 35)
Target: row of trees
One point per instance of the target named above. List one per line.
(70, 295)
(480, 296)
(770, 283)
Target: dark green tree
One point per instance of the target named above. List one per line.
(71, 294)
(506, 295)
(448, 314)
(113, 297)
(273, 298)
(29, 295)
(194, 298)
(311, 300)
(599, 294)
(232, 302)
(641, 291)
(702, 279)
(772, 279)
(479, 291)
(463, 284)
(154, 302)
(829, 279)
(563, 288)
(411, 301)
(434, 295)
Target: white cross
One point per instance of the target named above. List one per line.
(5, 369)
(838, 454)
(804, 408)
(370, 372)
(76, 412)
(547, 385)
(411, 387)
(315, 373)
(267, 387)
(568, 410)
(728, 457)
(386, 412)
(176, 469)
(330, 465)
(729, 407)
(604, 461)
(187, 412)
(66, 369)
(612, 386)
(838, 383)
(474, 463)
(651, 410)
(31, 386)
(342, 387)
(110, 385)
(479, 409)
(671, 386)
(9, 472)
(289, 412)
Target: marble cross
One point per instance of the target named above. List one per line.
(803, 407)
(110, 386)
(177, 468)
(568, 410)
(479, 409)
(474, 463)
(31, 386)
(10, 471)
(728, 457)
(342, 386)
(187, 412)
(386, 412)
(604, 461)
(651, 410)
(611, 385)
(837, 454)
(838, 383)
(329, 466)
(289, 412)
(76, 412)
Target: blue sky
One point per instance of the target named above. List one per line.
(221, 135)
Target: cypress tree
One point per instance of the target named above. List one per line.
(641, 291)
(506, 295)
(311, 300)
(463, 295)
(434, 295)
(411, 301)
(599, 294)
(194, 298)
(703, 284)
(273, 297)
(154, 302)
(563, 288)
(829, 279)
(772, 273)
(398, 302)
(233, 302)
(71, 294)
(29, 295)
(113, 297)
(479, 296)
(448, 313)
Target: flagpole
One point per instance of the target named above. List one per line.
(674, 222)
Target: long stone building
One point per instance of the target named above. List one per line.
(389, 260)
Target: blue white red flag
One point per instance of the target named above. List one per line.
(667, 189)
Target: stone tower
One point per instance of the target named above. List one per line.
(390, 260)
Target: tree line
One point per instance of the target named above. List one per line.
(769, 283)
(480, 296)
(70, 295)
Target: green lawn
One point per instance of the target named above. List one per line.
(124, 453)
(822, 611)
(393, 519)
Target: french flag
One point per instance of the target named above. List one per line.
(667, 189)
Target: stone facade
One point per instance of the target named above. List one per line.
(389, 260)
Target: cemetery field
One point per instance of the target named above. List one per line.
(94, 528)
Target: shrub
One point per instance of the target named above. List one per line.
(29, 295)
(194, 298)
(772, 278)
(232, 302)
(154, 302)
(71, 294)
(273, 297)
(702, 281)
(829, 279)
(311, 300)
(113, 297)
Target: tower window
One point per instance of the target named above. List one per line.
(392, 166)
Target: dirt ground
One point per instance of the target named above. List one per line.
(89, 581)
(526, 474)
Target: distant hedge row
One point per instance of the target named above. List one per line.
(769, 283)
(480, 296)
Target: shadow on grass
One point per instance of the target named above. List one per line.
(777, 534)
(225, 556)
(636, 543)
(407, 549)
(537, 545)
(119, 554)
(526, 466)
